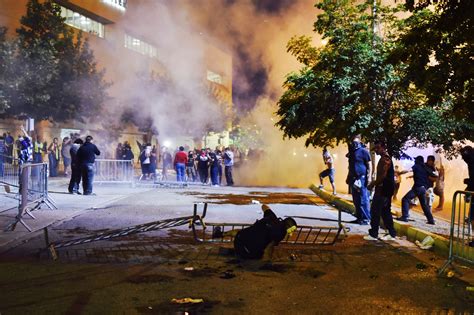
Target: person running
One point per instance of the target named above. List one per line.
(381, 205)
(329, 171)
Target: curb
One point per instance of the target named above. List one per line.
(440, 246)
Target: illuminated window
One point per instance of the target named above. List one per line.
(119, 4)
(214, 77)
(82, 22)
(140, 46)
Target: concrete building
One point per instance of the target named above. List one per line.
(126, 40)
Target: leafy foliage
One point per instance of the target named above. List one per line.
(348, 86)
(438, 47)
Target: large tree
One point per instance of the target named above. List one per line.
(6, 67)
(438, 47)
(349, 86)
(57, 77)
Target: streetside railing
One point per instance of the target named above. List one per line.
(114, 171)
(205, 232)
(461, 235)
(33, 192)
(9, 173)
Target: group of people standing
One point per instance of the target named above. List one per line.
(428, 180)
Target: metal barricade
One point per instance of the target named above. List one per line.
(461, 236)
(114, 171)
(33, 191)
(204, 232)
(9, 172)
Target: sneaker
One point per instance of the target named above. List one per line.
(364, 222)
(370, 238)
(334, 193)
(431, 222)
(402, 219)
(321, 186)
(388, 237)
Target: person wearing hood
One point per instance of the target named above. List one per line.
(358, 179)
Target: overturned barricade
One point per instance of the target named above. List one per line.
(205, 232)
(126, 231)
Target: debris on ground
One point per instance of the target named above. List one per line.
(427, 243)
(229, 274)
(187, 301)
(189, 268)
(421, 266)
(255, 202)
(450, 274)
(293, 257)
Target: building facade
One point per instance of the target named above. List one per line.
(130, 37)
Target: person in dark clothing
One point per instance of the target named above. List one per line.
(257, 241)
(191, 167)
(421, 180)
(359, 171)
(54, 155)
(75, 168)
(214, 168)
(167, 163)
(382, 201)
(86, 157)
(228, 165)
(467, 154)
(203, 166)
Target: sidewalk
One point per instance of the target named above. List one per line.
(414, 230)
(69, 206)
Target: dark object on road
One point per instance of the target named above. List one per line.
(258, 240)
(229, 274)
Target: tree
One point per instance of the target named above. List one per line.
(438, 48)
(6, 67)
(348, 86)
(56, 72)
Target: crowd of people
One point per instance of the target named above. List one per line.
(205, 165)
(428, 181)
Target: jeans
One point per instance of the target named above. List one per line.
(87, 172)
(75, 179)
(203, 174)
(215, 175)
(381, 207)
(228, 175)
(361, 200)
(419, 192)
(219, 173)
(53, 165)
(191, 173)
(180, 167)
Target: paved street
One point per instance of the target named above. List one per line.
(140, 274)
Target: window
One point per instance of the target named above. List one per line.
(214, 77)
(82, 22)
(119, 4)
(140, 46)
